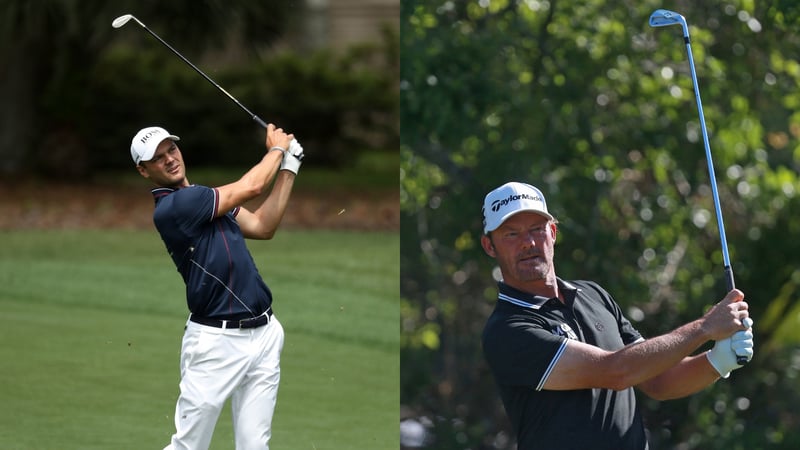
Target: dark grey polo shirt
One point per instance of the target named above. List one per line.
(522, 341)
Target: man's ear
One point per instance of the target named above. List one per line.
(142, 171)
(488, 246)
(553, 230)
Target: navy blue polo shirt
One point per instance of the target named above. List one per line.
(222, 280)
(522, 341)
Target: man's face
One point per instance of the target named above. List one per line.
(166, 168)
(523, 247)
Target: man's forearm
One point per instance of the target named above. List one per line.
(271, 207)
(690, 375)
(649, 358)
(263, 173)
(252, 185)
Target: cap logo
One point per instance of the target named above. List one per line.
(497, 204)
(149, 135)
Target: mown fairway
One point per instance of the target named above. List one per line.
(91, 322)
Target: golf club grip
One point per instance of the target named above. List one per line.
(729, 278)
(741, 360)
(259, 121)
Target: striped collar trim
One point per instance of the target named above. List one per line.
(161, 191)
(525, 300)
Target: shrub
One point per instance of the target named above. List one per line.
(336, 104)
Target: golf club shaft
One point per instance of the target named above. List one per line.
(661, 18)
(252, 116)
(725, 256)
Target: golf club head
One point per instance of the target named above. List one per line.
(122, 20)
(665, 18)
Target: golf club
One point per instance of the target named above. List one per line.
(665, 18)
(123, 19)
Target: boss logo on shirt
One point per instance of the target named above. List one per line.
(563, 329)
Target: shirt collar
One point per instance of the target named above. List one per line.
(526, 300)
(161, 192)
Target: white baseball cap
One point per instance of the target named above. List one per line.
(145, 143)
(509, 199)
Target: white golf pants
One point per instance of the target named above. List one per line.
(216, 363)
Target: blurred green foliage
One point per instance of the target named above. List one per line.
(337, 105)
(73, 90)
(596, 108)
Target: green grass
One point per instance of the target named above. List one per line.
(91, 322)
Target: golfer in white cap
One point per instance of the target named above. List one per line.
(563, 354)
(233, 340)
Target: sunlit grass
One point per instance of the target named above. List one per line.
(91, 322)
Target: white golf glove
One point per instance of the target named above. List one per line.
(293, 157)
(723, 355)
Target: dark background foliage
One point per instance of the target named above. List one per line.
(589, 103)
(73, 90)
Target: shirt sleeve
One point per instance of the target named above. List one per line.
(629, 334)
(195, 205)
(522, 353)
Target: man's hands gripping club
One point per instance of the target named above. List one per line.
(277, 139)
(723, 356)
(293, 157)
(731, 311)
